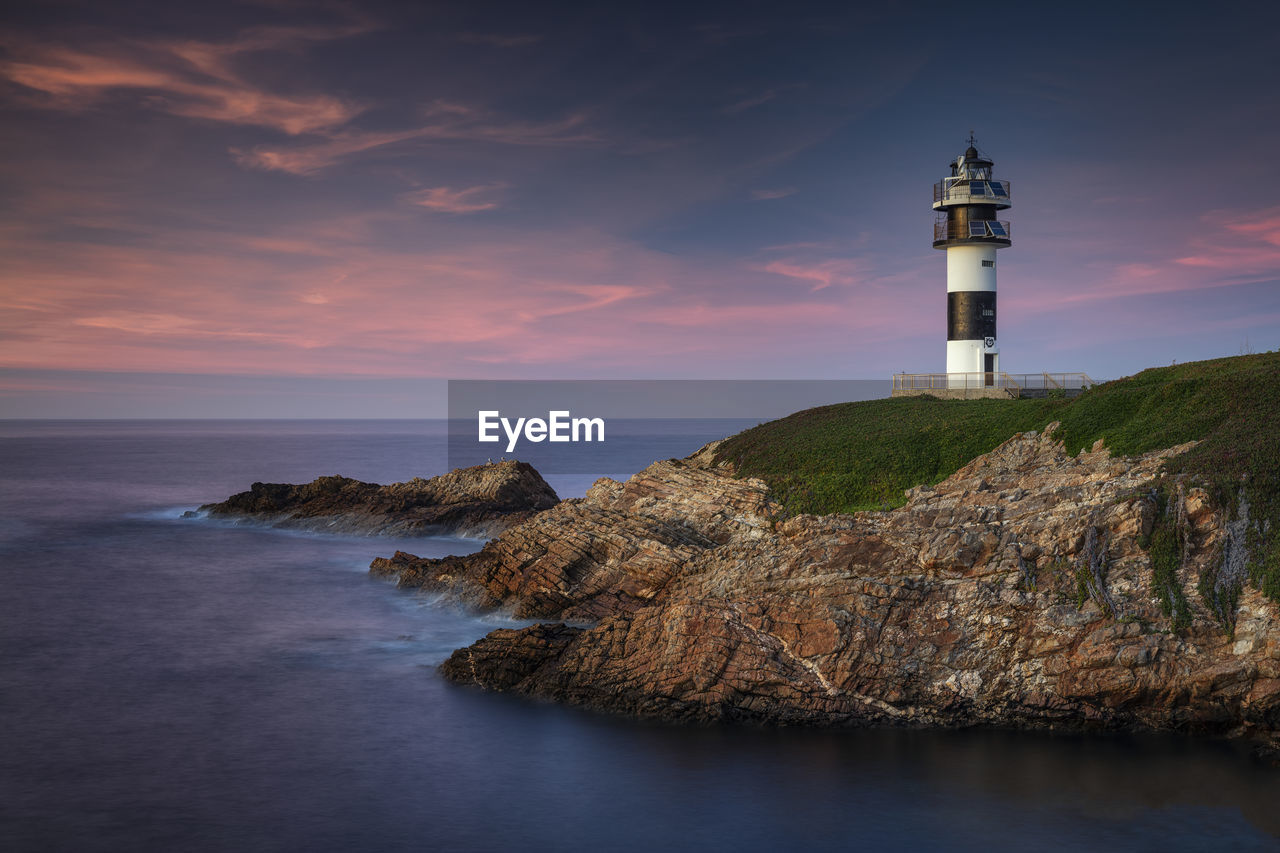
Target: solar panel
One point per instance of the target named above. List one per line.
(998, 229)
(977, 188)
(998, 189)
(977, 229)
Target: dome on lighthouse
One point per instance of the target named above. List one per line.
(971, 158)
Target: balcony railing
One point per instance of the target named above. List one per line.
(965, 191)
(1054, 381)
(974, 229)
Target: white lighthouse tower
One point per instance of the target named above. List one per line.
(966, 203)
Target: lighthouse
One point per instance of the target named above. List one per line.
(966, 203)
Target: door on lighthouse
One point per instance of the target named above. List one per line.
(989, 369)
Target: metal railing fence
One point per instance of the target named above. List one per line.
(992, 379)
(960, 191)
(1055, 381)
(941, 381)
(941, 231)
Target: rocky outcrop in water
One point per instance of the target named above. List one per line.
(611, 552)
(1017, 592)
(480, 501)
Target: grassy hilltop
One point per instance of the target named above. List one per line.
(857, 456)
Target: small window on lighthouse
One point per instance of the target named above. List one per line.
(988, 263)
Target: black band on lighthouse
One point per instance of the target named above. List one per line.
(971, 315)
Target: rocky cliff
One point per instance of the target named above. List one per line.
(1018, 592)
(480, 501)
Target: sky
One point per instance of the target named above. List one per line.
(275, 209)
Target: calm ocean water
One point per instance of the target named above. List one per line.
(179, 685)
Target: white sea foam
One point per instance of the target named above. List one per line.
(168, 513)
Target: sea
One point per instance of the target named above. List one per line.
(171, 684)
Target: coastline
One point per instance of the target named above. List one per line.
(1014, 594)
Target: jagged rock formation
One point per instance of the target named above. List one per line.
(610, 552)
(1016, 592)
(480, 501)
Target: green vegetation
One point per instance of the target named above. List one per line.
(1082, 586)
(856, 456)
(1166, 545)
(863, 455)
(1166, 559)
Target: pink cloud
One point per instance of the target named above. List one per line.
(1242, 243)
(1236, 259)
(445, 123)
(1260, 223)
(1039, 290)
(838, 271)
(187, 78)
(321, 299)
(310, 159)
(1227, 249)
(1137, 271)
(449, 200)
